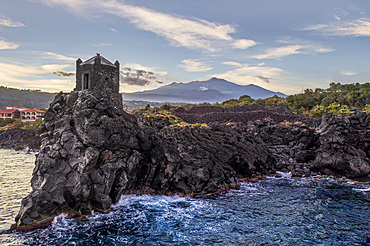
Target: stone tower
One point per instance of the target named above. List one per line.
(99, 76)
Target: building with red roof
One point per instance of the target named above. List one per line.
(26, 114)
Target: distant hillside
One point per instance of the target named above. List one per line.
(212, 90)
(25, 98)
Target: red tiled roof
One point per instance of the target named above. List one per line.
(34, 110)
(14, 106)
(7, 110)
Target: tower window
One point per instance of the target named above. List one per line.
(85, 81)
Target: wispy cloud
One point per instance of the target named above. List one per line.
(194, 65)
(355, 27)
(192, 33)
(286, 50)
(6, 45)
(113, 30)
(60, 57)
(26, 76)
(246, 74)
(10, 23)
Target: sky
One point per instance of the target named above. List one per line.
(285, 46)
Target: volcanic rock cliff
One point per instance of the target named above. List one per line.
(91, 153)
(344, 145)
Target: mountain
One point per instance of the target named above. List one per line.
(212, 90)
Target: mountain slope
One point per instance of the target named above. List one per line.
(25, 98)
(212, 90)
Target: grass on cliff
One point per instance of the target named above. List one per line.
(17, 123)
(164, 113)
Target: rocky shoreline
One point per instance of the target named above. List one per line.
(91, 153)
(20, 139)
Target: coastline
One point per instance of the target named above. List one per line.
(196, 161)
(279, 175)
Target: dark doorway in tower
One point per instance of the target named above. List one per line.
(85, 81)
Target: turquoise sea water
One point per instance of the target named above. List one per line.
(278, 211)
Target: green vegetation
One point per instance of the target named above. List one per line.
(164, 113)
(25, 98)
(17, 123)
(336, 99)
(271, 102)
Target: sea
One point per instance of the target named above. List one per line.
(277, 211)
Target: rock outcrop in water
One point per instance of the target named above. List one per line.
(92, 153)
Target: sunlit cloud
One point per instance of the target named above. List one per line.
(5, 45)
(231, 63)
(194, 65)
(246, 74)
(243, 43)
(356, 27)
(10, 23)
(49, 68)
(60, 57)
(192, 33)
(349, 73)
(26, 76)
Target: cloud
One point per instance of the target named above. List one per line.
(192, 33)
(349, 73)
(231, 63)
(113, 30)
(25, 76)
(278, 52)
(194, 65)
(264, 79)
(10, 23)
(356, 27)
(137, 66)
(243, 43)
(139, 75)
(64, 74)
(245, 74)
(60, 57)
(5, 45)
(50, 68)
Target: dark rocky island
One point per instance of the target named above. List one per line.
(92, 152)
